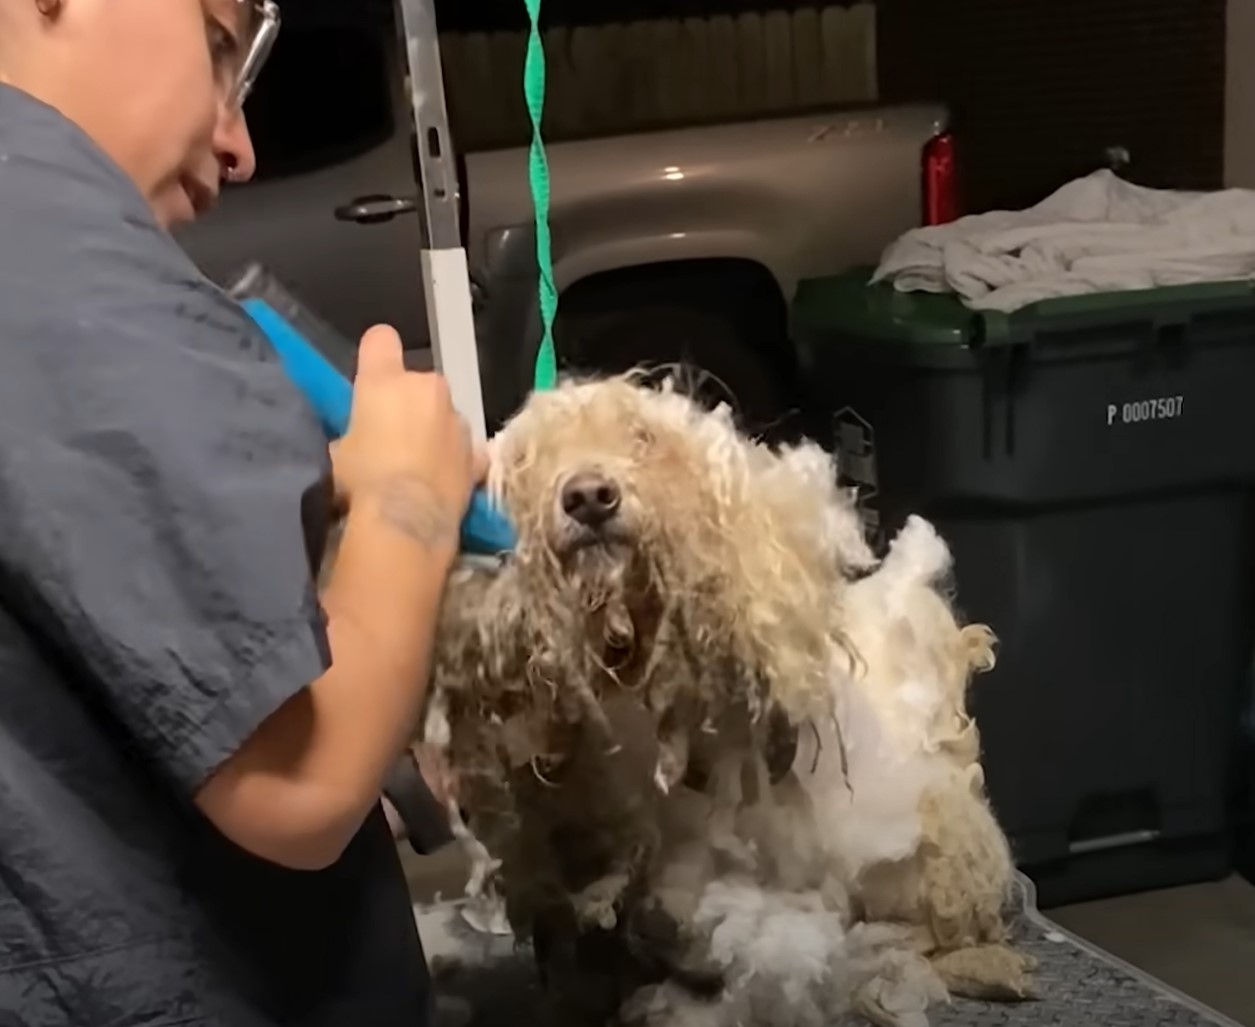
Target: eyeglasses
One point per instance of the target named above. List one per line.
(261, 27)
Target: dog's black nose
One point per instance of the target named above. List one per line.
(591, 499)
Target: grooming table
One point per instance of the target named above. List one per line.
(486, 981)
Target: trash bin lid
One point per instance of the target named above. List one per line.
(847, 303)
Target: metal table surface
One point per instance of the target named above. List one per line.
(488, 981)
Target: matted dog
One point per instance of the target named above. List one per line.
(716, 758)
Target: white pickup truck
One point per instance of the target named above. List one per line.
(674, 245)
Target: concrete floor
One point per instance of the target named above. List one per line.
(1198, 939)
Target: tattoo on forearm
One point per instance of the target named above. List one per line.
(411, 507)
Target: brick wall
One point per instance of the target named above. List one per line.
(1041, 87)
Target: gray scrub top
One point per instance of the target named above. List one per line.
(163, 499)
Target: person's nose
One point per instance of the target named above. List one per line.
(233, 146)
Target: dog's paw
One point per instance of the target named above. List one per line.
(990, 973)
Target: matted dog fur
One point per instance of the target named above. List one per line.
(715, 756)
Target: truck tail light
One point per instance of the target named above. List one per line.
(941, 186)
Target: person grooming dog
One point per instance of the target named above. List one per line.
(193, 741)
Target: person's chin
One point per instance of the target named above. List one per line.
(179, 205)
(173, 209)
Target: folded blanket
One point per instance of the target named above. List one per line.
(1095, 234)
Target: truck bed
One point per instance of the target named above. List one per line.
(486, 981)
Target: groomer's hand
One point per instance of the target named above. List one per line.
(406, 445)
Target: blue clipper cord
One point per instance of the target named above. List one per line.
(485, 530)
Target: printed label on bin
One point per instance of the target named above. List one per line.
(1162, 408)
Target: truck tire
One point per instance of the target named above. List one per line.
(722, 332)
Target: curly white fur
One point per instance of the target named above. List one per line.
(906, 817)
(789, 960)
(696, 733)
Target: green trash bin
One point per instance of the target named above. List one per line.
(1091, 462)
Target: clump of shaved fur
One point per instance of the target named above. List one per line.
(709, 721)
(907, 818)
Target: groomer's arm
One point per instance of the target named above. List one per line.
(298, 790)
(163, 490)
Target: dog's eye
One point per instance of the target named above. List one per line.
(643, 436)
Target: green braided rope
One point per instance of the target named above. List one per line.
(538, 174)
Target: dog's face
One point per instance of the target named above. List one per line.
(631, 502)
(599, 475)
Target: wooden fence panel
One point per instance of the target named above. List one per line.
(614, 78)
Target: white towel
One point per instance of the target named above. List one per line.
(1096, 234)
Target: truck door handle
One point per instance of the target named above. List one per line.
(375, 209)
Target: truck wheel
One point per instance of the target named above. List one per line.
(726, 343)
